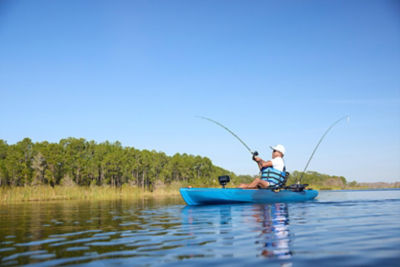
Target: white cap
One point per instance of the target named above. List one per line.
(279, 148)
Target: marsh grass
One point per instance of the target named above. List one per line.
(316, 187)
(46, 193)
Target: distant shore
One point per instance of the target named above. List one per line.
(41, 193)
(75, 168)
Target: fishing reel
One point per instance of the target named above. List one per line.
(223, 180)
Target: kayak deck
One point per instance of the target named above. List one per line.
(209, 196)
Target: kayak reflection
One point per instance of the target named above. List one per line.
(228, 224)
(275, 230)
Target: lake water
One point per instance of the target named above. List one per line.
(340, 228)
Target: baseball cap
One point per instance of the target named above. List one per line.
(279, 148)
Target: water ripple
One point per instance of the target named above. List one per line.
(338, 229)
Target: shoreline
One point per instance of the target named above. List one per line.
(43, 193)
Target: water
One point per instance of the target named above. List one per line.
(350, 228)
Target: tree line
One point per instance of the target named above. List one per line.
(325, 181)
(319, 180)
(74, 161)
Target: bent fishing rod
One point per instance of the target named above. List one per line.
(319, 142)
(255, 153)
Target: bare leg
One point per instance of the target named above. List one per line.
(257, 182)
(243, 185)
(263, 184)
(254, 183)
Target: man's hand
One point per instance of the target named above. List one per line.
(255, 154)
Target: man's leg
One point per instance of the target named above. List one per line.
(254, 183)
(263, 184)
(258, 182)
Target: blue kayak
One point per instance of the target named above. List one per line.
(207, 196)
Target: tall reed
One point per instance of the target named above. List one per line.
(45, 193)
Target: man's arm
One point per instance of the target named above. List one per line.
(261, 163)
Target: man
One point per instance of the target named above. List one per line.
(272, 171)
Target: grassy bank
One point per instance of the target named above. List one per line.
(46, 193)
(317, 187)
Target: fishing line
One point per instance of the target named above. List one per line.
(319, 142)
(255, 153)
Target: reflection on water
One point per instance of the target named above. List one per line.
(76, 232)
(275, 221)
(270, 222)
(338, 229)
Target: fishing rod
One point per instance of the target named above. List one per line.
(319, 142)
(255, 153)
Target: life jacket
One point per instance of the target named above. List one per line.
(273, 176)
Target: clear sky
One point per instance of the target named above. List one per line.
(272, 71)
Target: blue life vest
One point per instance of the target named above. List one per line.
(273, 176)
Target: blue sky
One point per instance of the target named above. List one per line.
(272, 71)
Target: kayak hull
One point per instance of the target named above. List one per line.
(210, 196)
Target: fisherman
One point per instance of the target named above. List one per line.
(272, 171)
